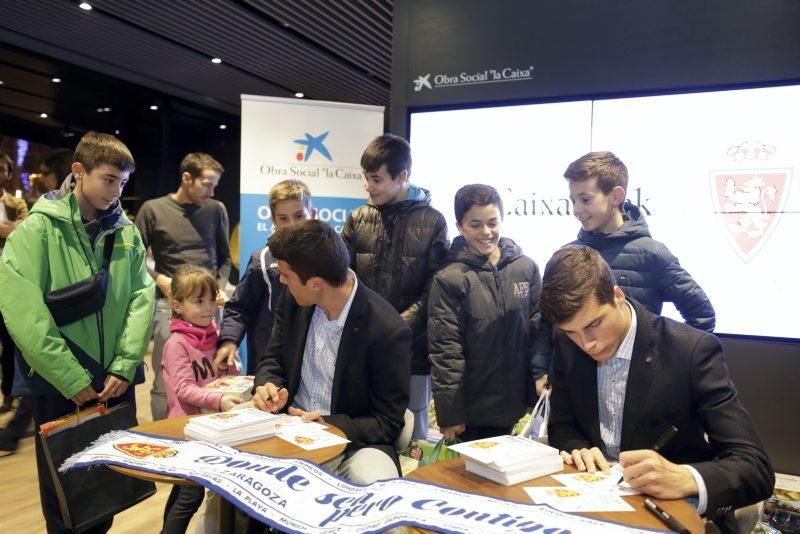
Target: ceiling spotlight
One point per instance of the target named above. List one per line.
(86, 6)
(43, 115)
(56, 80)
(216, 60)
(106, 109)
(299, 94)
(223, 126)
(116, 132)
(99, 110)
(154, 108)
(2, 82)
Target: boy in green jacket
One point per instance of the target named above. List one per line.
(61, 243)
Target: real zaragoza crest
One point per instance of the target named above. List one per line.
(750, 197)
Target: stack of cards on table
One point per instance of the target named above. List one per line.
(238, 386)
(239, 426)
(509, 460)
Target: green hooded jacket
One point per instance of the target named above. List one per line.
(51, 250)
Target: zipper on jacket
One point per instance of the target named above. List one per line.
(506, 366)
(99, 314)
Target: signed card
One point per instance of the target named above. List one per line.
(578, 500)
(598, 481)
(310, 436)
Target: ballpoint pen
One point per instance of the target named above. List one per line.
(668, 519)
(660, 443)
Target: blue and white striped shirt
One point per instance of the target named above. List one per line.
(319, 358)
(612, 381)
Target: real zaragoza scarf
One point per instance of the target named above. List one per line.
(299, 496)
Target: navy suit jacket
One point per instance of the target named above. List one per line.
(678, 376)
(371, 380)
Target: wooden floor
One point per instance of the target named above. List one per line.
(20, 511)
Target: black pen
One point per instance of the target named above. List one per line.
(668, 520)
(661, 442)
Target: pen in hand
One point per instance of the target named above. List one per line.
(660, 443)
(668, 519)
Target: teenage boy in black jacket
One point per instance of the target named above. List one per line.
(484, 324)
(397, 241)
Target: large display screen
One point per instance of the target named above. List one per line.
(712, 172)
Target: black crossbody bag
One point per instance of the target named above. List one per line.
(83, 298)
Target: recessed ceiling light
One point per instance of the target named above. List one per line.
(2, 82)
(299, 94)
(154, 108)
(99, 110)
(116, 132)
(216, 60)
(106, 109)
(69, 134)
(43, 115)
(56, 80)
(223, 126)
(86, 6)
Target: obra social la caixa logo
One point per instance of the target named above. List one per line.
(749, 199)
(312, 144)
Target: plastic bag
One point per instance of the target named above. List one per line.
(536, 427)
(440, 452)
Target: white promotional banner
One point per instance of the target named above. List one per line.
(319, 143)
(298, 496)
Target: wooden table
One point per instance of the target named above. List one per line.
(452, 474)
(173, 428)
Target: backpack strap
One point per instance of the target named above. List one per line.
(108, 248)
(265, 274)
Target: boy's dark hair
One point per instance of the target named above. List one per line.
(58, 162)
(475, 195)
(605, 166)
(571, 277)
(312, 248)
(6, 160)
(390, 149)
(196, 162)
(97, 148)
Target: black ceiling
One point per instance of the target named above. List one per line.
(337, 51)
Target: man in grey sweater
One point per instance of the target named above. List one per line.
(187, 226)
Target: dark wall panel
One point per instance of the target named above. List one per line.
(583, 48)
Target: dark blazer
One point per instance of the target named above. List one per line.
(677, 376)
(371, 381)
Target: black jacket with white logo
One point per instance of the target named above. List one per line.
(483, 330)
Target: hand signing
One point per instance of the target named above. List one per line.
(652, 474)
(269, 398)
